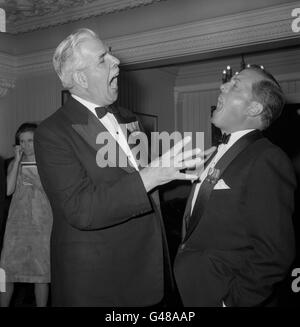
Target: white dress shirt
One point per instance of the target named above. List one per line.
(111, 124)
(222, 149)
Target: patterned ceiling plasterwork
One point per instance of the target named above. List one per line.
(20, 10)
(7, 73)
(249, 28)
(233, 31)
(29, 15)
(5, 85)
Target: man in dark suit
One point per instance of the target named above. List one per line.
(108, 243)
(238, 238)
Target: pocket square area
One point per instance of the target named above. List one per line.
(221, 185)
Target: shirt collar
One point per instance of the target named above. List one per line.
(90, 105)
(235, 136)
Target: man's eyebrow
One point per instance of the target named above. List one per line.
(102, 54)
(106, 51)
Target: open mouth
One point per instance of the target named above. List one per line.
(114, 81)
(220, 103)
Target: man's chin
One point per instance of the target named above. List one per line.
(114, 95)
(216, 122)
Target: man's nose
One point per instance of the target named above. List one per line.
(115, 61)
(225, 87)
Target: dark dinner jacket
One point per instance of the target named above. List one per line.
(108, 240)
(243, 244)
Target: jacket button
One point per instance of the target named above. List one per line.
(182, 246)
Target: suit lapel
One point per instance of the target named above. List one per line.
(188, 206)
(89, 128)
(187, 210)
(135, 135)
(122, 117)
(225, 161)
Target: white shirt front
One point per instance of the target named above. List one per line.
(222, 149)
(111, 124)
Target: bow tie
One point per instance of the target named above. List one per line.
(102, 111)
(224, 138)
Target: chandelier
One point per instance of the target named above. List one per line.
(228, 73)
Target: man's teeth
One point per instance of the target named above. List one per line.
(219, 104)
(114, 82)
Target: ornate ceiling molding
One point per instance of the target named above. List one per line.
(5, 85)
(7, 63)
(7, 73)
(278, 61)
(244, 29)
(40, 61)
(62, 12)
(248, 28)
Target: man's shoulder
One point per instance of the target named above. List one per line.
(266, 148)
(54, 122)
(264, 153)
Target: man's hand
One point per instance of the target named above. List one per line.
(167, 167)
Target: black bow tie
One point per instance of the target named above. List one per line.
(102, 111)
(224, 138)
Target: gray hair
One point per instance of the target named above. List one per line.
(67, 57)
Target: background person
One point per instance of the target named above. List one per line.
(25, 255)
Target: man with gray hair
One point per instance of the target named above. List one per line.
(108, 241)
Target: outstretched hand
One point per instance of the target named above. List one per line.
(168, 167)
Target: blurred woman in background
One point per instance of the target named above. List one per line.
(25, 255)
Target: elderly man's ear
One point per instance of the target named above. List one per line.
(255, 109)
(80, 78)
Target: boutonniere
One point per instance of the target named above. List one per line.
(133, 127)
(213, 175)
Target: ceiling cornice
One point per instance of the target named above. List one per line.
(7, 73)
(101, 7)
(284, 60)
(222, 33)
(247, 28)
(5, 85)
